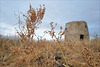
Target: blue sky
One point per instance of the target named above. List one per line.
(58, 11)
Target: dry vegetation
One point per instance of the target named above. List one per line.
(48, 54)
(25, 52)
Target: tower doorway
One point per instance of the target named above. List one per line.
(81, 37)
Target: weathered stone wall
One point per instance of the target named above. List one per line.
(76, 30)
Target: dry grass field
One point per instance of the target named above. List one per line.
(48, 54)
(25, 52)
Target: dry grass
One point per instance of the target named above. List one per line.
(48, 54)
(25, 52)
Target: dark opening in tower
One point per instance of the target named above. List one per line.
(81, 37)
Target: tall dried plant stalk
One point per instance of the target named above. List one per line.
(57, 38)
(32, 21)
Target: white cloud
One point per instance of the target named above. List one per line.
(7, 29)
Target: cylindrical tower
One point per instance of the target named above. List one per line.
(76, 31)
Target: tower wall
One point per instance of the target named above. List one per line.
(76, 30)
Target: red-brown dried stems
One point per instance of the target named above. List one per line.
(27, 32)
(90, 57)
(32, 21)
(57, 37)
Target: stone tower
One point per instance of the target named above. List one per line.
(76, 31)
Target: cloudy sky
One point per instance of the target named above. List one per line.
(58, 11)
